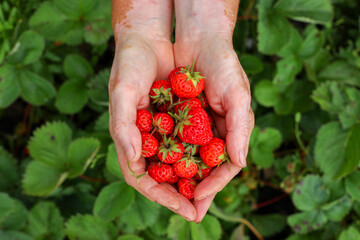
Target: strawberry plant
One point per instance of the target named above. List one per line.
(60, 176)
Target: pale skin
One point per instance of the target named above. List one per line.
(144, 53)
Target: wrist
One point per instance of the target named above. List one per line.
(205, 19)
(151, 19)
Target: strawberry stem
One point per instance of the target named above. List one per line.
(192, 67)
(134, 174)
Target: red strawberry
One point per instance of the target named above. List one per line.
(211, 121)
(173, 178)
(191, 102)
(170, 150)
(160, 172)
(190, 148)
(214, 152)
(203, 100)
(185, 82)
(149, 145)
(193, 126)
(186, 167)
(163, 123)
(203, 172)
(161, 94)
(187, 187)
(144, 120)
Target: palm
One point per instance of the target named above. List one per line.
(225, 85)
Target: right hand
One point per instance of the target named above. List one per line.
(138, 62)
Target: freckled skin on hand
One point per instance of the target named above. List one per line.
(231, 9)
(119, 9)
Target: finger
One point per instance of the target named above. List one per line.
(236, 105)
(187, 209)
(217, 180)
(202, 207)
(251, 127)
(122, 119)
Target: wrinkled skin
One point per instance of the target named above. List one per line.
(144, 53)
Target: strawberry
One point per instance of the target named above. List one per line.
(190, 148)
(182, 103)
(185, 82)
(193, 126)
(203, 172)
(163, 123)
(149, 145)
(161, 95)
(170, 150)
(173, 178)
(144, 120)
(186, 167)
(211, 120)
(160, 172)
(187, 187)
(214, 152)
(203, 100)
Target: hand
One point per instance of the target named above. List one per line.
(143, 54)
(226, 86)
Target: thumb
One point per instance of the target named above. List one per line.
(122, 121)
(237, 104)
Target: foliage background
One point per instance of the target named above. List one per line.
(58, 167)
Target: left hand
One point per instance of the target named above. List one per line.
(227, 89)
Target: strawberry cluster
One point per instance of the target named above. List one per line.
(177, 139)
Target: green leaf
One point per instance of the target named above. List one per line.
(41, 179)
(75, 66)
(141, 214)
(81, 152)
(269, 224)
(352, 185)
(27, 49)
(34, 88)
(178, 228)
(338, 209)
(112, 163)
(45, 222)
(319, 11)
(209, 228)
(262, 143)
(72, 97)
(305, 222)
(49, 144)
(55, 25)
(273, 29)
(312, 43)
(129, 237)
(266, 93)
(292, 46)
(9, 87)
(336, 151)
(76, 9)
(286, 71)
(8, 172)
(12, 213)
(251, 64)
(341, 70)
(113, 200)
(98, 28)
(88, 227)
(14, 235)
(98, 88)
(350, 234)
(102, 123)
(338, 98)
(310, 193)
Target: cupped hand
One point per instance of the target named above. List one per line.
(138, 62)
(228, 92)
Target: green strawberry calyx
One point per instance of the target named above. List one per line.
(162, 96)
(182, 119)
(190, 159)
(168, 146)
(191, 75)
(225, 157)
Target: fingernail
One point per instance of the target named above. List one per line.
(242, 158)
(129, 151)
